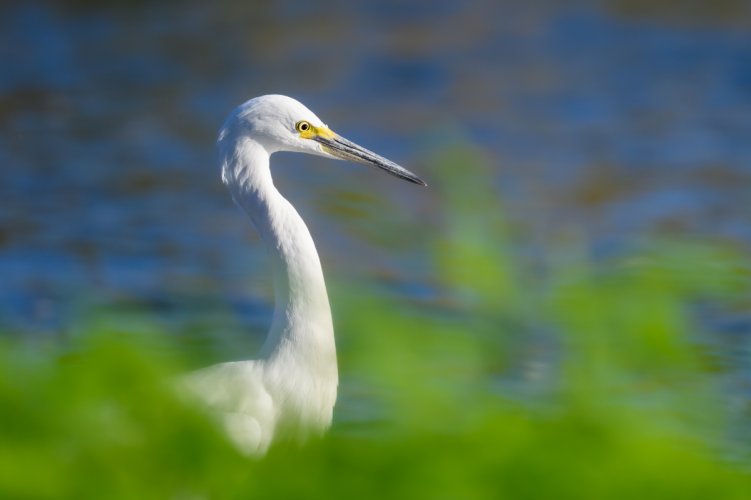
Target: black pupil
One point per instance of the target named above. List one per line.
(303, 126)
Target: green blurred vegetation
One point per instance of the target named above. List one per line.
(581, 380)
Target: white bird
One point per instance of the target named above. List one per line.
(289, 391)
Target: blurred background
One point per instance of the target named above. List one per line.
(603, 121)
(572, 284)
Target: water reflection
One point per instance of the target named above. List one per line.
(614, 119)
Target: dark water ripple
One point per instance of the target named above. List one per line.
(601, 118)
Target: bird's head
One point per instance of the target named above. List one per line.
(280, 123)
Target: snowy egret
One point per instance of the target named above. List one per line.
(289, 391)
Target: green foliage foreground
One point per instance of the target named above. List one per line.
(588, 383)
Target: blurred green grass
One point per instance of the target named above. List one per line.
(587, 382)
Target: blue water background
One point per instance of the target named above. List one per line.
(611, 121)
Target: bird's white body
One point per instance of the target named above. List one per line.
(289, 391)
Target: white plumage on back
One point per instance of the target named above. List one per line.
(289, 391)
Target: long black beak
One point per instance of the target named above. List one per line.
(340, 147)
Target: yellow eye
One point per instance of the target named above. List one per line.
(302, 126)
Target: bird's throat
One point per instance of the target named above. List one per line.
(302, 326)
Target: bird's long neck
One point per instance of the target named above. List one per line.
(302, 327)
